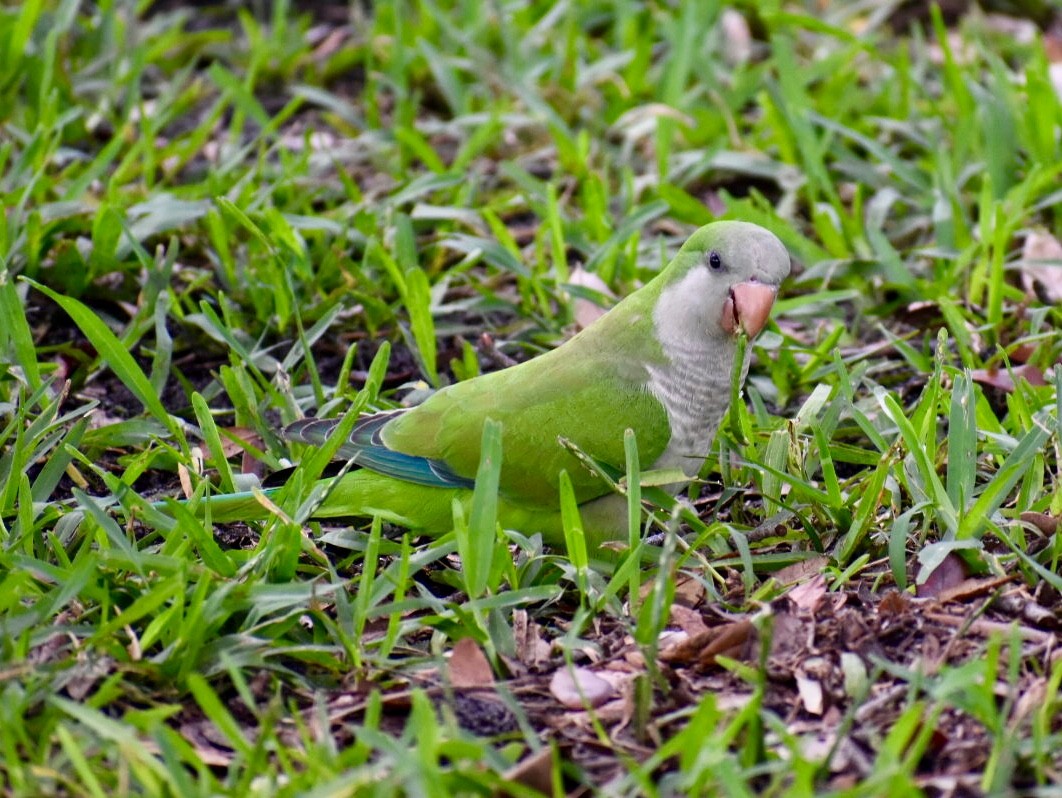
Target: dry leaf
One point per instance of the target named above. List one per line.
(894, 603)
(969, 588)
(211, 748)
(576, 688)
(231, 438)
(689, 621)
(584, 311)
(531, 648)
(950, 572)
(801, 570)
(1041, 266)
(731, 640)
(1021, 353)
(1048, 524)
(811, 695)
(855, 674)
(1030, 701)
(737, 37)
(1004, 378)
(469, 666)
(534, 771)
(809, 595)
(790, 636)
(689, 591)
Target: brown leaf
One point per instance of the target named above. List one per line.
(801, 570)
(950, 572)
(1004, 378)
(231, 438)
(731, 640)
(531, 648)
(1048, 524)
(689, 592)
(211, 748)
(1041, 266)
(186, 480)
(534, 771)
(809, 595)
(577, 687)
(469, 666)
(689, 621)
(894, 603)
(789, 636)
(969, 588)
(1021, 353)
(1029, 702)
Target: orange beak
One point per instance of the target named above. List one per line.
(748, 307)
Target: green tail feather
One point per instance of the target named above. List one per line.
(424, 509)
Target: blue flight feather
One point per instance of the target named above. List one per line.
(366, 449)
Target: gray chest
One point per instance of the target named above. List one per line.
(694, 389)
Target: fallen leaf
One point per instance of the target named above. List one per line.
(469, 666)
(689, 621)
(534, 771)
(894, 603)
(1004, 378)
(969, 588)
(689, 591)
(585, 311)
(576, 688)
(1041, 266)
(811, 695)
(1021, 353)
(1031, 700)
(855, 674)
(801, 570)
(531, 648)
(933, 655)
(809, 595)
(233, 437)
(1048, 524)
(331, 43)
(737, 37)
(950, 572)
(731, 640)
(211, 747)
(789, 636)
(185, 479)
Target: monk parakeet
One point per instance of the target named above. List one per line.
(659, 363)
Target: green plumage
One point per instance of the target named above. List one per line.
(659, 363)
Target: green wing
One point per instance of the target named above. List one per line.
(590, 400)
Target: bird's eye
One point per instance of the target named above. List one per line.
(715, 263)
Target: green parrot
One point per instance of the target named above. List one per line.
(659, 363)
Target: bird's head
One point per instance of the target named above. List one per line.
(723, 281)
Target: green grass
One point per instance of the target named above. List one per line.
(216, 223)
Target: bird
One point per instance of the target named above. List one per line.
(659, 363)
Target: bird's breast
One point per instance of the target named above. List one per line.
(694, 388)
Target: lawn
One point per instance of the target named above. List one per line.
(222, 218)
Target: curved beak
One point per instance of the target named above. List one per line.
(748, 307)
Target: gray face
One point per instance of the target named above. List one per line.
(724, 272)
